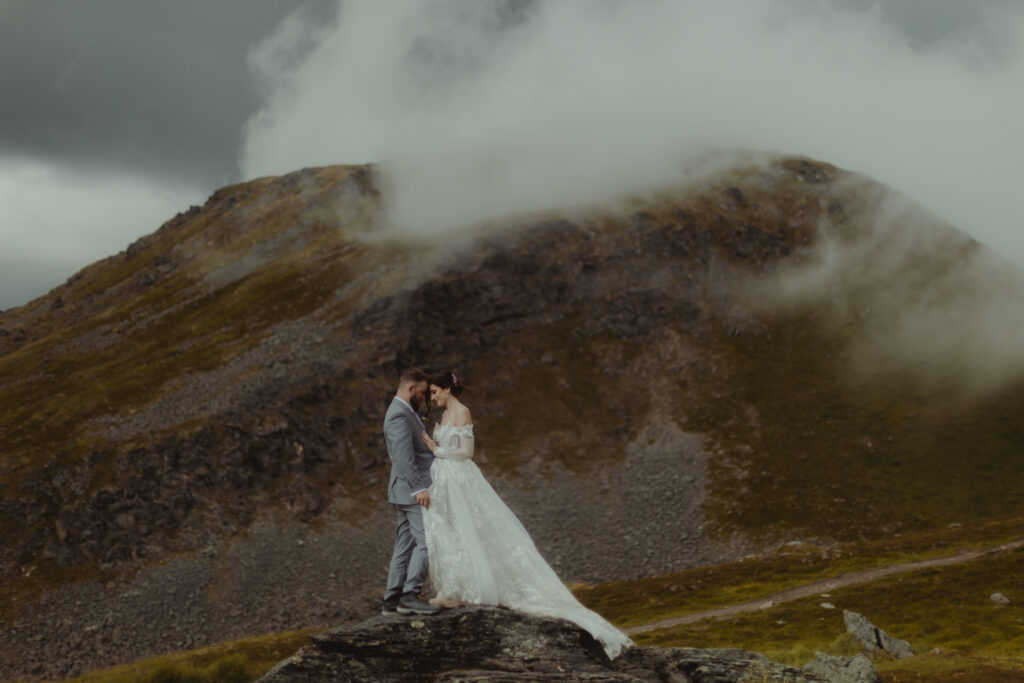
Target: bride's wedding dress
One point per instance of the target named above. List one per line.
(480, 552)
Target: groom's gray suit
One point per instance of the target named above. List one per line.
(410, 474)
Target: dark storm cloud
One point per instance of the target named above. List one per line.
(149, 86)
(114, 116)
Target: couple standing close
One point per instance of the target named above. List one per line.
(479, 552)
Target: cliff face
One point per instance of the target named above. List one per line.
(644, 397)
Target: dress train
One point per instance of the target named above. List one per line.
(480, 552)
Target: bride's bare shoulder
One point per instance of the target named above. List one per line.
(461, 418)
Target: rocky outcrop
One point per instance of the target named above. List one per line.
(875, 639)
(495, 644)
(857, 669)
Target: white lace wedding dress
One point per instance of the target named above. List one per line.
(480, 553)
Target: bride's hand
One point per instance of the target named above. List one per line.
(431, 444)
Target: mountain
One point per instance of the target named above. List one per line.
(777, 350)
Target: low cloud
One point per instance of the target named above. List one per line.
(481, 109)
(914, 297)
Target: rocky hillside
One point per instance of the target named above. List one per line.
(193, 424)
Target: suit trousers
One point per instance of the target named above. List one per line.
(409, 560)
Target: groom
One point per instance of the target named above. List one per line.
(407, 491)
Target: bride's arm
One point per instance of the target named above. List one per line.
(460, 442)
(459, 446)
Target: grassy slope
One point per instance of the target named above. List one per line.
(232, 662)
(54, 386)
(834, 453)
(944, 608)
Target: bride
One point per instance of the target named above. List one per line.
(479, 551)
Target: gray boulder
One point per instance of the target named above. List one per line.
(857, 669)
(875, 639)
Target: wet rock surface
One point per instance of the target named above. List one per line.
(494, 644)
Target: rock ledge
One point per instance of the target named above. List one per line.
(494, 644)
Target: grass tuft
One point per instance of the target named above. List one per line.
(236, 661)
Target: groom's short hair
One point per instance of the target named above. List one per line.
(413, 376)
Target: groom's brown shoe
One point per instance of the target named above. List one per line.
(411, 604)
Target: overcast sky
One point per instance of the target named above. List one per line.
(117, 114)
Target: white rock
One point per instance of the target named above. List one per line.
(999, 599)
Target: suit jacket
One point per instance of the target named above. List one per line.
(410, 457)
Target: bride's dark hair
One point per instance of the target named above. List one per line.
(449, 380)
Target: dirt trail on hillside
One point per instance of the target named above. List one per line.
(825, 585)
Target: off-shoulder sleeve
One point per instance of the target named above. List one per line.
(459, 444)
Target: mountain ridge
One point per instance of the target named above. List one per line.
(211, 396)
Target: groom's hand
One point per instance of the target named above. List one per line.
(423, 498)
(431, 444)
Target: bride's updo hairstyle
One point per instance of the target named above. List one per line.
(449, 380)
